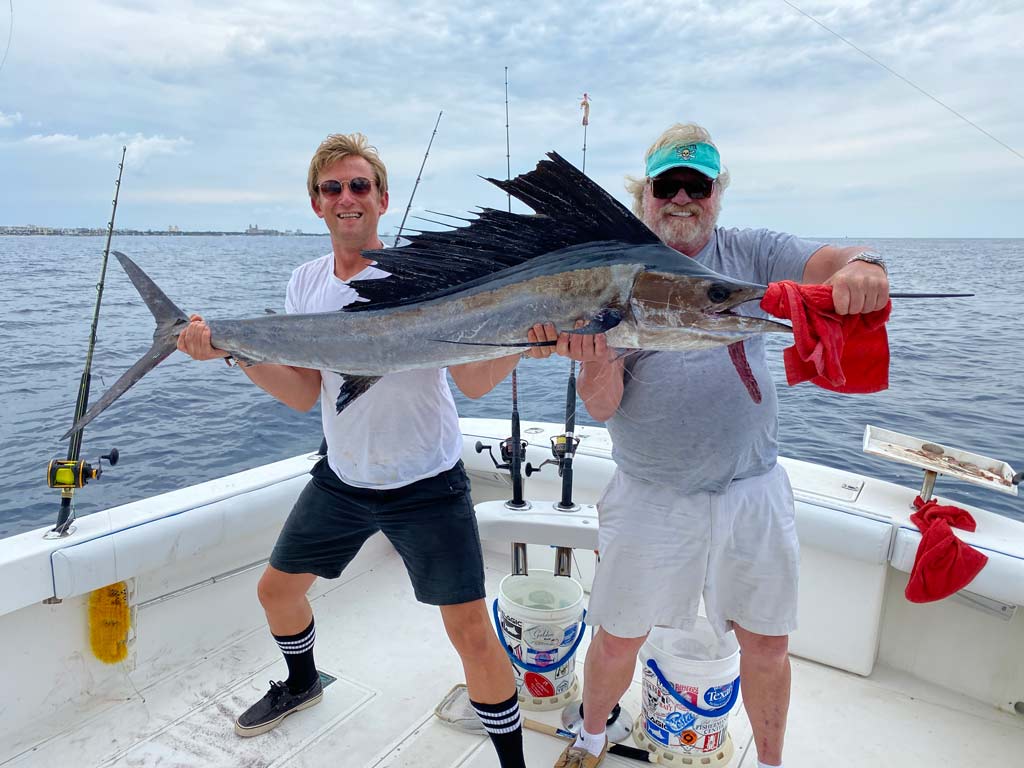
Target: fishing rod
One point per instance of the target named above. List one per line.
(71, 473)
(518, 447)
(418, 176)
(930, 295)
(513, 448)
(563, 447)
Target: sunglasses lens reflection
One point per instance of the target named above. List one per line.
(696, 188)
(359, 186)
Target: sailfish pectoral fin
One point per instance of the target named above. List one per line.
(603, 321)
(353, 387)
(517, 344)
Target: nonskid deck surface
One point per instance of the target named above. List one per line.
(393, 665)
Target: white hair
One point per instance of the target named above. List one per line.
(680, 133)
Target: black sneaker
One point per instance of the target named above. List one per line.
(279, 702)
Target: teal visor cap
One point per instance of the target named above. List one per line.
(701, 157)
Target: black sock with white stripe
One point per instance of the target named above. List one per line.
(298, 655)
(505, 727)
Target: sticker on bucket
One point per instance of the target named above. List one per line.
(660, 735)
(543, 637)
(541, 658)
(690, 685)
(677, 722)
(511, 627)
(718, 696)
(538, 685)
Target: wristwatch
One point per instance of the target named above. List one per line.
(869, 258)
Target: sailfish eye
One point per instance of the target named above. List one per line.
(718, 293)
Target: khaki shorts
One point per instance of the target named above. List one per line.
(662, 550)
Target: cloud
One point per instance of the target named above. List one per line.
(799, 113)
(140, 148)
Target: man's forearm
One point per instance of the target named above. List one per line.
(298, 388)
(828, 260)
(600, 388)
(477, 379)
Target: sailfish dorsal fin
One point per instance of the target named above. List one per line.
(571, 209)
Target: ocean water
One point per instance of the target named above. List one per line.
(956, 373)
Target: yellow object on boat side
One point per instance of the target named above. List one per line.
(109, 622)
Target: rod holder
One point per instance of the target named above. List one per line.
(928, 486)
(563, 561)
(519, 564)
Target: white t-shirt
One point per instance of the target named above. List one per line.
(402, 429)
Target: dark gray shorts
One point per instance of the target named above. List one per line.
(430, 522)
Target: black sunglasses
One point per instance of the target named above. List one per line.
(359, 186)
(697, 186)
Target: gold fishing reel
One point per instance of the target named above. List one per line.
(68, 474)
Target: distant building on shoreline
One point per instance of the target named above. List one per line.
(173, 229)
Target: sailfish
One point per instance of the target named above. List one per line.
(473, 292)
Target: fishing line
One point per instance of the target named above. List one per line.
(10, 34)
(913, 85)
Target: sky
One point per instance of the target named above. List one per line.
(222, 105)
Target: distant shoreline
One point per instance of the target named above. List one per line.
(82, 232)
(57, 232)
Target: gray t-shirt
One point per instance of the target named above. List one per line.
(686, 419)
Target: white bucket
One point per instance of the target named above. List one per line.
(690, 687)
(539, 618)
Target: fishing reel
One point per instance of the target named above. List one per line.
(505, 447)
(561, 448)
(68, 474)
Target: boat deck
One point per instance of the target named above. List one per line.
(393, 665)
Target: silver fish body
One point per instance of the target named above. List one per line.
(657, 311)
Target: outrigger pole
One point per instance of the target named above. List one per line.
(418, 176)
(71, 473)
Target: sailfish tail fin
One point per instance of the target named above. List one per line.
(169, 322)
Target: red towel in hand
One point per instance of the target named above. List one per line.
(843, 353)
(944, 564)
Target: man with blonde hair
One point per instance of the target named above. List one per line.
(392, 465)
(698, 505)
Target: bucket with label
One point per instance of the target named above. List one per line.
(539, 619)
(691, 681)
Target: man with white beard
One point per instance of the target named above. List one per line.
(698, 504)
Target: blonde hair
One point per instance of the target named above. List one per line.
(680, 133)
(337, 147)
